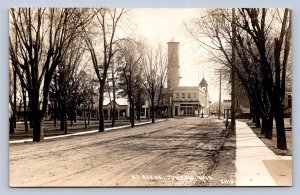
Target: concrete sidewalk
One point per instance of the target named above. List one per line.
(256, 164)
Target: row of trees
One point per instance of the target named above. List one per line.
(255, 44)
(51, 48)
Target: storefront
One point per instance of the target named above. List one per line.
(189, 109)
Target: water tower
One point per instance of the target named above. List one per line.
(173, 64)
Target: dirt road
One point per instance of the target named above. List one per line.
(177, 152)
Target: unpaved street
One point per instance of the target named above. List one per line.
(176, 152)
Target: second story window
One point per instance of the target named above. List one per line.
(189, 95)
(183, 95)
(177, 95)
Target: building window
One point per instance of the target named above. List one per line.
(189, 95)
(183, 95)
(195, 95)
(177, 95)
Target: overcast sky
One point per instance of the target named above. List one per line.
(160, 25)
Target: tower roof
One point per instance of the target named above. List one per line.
(173, 41)
(203, 83)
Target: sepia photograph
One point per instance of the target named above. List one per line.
(150, 97)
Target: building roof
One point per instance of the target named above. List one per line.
(119, 101)
(203, 83)
(173, 41)
(186, 88)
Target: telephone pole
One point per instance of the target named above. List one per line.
(219, 72)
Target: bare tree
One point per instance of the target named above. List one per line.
(112, 88)
(257, 36)
(274, 83)
(154, 73)
(130, 81)
(65, 84)
(39, 39)
(107, 20)
(87, 94)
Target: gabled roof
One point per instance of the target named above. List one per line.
(203, 83)
(119, 101)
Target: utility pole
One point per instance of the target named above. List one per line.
(220, 91)
(233, 61)
(219, 72)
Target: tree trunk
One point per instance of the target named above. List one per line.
(55, 114)
(101, 115)
(153, 109)
(19, 111)
(132, 113)
(62, 117)
(66, 122)
(269, 128)
(263, 126)
(252, 115)
(139, 111)
(15, 101)
(30, 111)
(113, 113)
(114, 98)
(25, 110)
(75, 115)
(12, 121)
(71, 118)
(36, 117)
(11, 125)
(279, 118)
(84, 117)
(91, 111)
(233, 61)
(89, 116)
(113, 118)
(257, 119)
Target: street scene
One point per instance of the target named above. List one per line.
(173, 152)
(109, 97)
